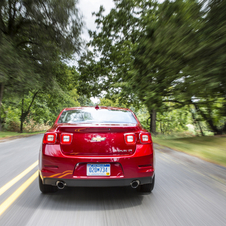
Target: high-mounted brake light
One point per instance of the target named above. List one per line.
(145, 138)
(49, 138)
(66, 138)
(130, 138)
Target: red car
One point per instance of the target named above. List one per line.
(96, 147)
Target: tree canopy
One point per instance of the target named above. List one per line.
(35, 37)
(160, 53)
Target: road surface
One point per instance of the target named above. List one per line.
(188, 191)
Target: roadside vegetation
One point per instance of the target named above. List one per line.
(37, 38)
(210, 148)
(7, 134)
(163, 56)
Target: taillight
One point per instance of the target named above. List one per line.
(66, 138)
(145, 138)
(49, 138)
(130, 138)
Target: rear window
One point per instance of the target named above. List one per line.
(99, 116)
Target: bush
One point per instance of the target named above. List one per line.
(32, 126)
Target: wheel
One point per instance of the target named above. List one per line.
(46, 188)
(148, 187)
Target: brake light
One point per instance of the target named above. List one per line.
(130, 138)
(66, 138)
(145, 138)
(49, 138)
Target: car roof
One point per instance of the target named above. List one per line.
(100, 107)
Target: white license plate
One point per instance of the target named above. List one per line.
(98, 170)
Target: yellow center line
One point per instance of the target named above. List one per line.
(17, 178)
(17, 193)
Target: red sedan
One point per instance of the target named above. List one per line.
(96, 147)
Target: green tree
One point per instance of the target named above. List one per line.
(158, 54)
(180, 59)
(107, 68)
(47, 104)
(63, 94)
(210, 67)
(39, 35)
(109, 103)
(162, 54)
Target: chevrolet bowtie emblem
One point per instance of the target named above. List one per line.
(98, 139)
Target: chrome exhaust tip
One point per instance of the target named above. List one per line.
(135, 183)
(60, 184)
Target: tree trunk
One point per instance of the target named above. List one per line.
(224, 128)
(200, 128)
(208, 119)
(22, 116)
(25, 113)
(196, 122)
(1, 96)
(153, 122)
(161, 129)
(224, 113)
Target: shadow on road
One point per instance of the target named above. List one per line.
(93, 198)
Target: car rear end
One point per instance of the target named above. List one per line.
(96, 147)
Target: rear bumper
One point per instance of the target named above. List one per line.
(97, 182)
(55, 166)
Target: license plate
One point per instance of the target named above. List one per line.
(98, 170)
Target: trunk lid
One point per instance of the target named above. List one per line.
(98, 139)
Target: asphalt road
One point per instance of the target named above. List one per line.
(188, 191)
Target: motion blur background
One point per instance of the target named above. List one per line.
(164, 60)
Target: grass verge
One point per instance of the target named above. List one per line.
(15, 134)
(209, 148)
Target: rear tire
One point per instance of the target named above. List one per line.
(148, 187)
(46, 188)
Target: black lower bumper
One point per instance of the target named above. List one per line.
(97, 182)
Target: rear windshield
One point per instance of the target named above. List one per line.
(99, 116)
